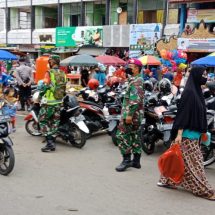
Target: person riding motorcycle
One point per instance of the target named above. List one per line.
(52, 92)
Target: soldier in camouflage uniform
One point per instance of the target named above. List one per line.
(128, 135)
(49, 116)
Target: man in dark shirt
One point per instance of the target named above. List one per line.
(84, 77)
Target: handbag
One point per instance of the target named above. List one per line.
(171, 164)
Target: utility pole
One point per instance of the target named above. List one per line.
(165, 17)
(82, 21)
(7, 17)
(59, 14)
(135, 7)
(107, 12)
(32, 20)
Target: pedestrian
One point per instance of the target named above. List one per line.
(100, 76)
(190, 123)
(84, 77)
(128, 134)
(24, 77)
(52, 93)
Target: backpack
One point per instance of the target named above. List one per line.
(59, 83)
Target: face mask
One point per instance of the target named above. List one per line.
(128, 71)
(203, 80)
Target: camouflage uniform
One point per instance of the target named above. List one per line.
(128, 136)
(49, 118)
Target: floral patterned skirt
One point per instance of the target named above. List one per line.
(194, 179)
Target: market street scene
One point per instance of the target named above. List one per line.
(107, 107)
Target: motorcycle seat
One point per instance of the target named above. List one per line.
(92, 103)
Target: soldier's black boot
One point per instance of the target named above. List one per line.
(136, 161)
(126, 163)
(50, 146)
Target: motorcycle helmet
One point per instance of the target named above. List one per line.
(40, 84)
(113, 82)
(70, 102)
(148, 85)
(165, 86)
(93, 84)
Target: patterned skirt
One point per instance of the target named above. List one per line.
(194, 179)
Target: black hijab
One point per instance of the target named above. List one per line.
(191, 112)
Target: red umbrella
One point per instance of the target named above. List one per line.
(110, 60)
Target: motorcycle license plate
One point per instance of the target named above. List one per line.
(143, 121)
(78, 118)
(167, 127)
(112, 125)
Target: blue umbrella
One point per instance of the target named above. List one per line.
(208, 61)
(5, 55)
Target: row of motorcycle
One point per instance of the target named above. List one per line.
(100, 110)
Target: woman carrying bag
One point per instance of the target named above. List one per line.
(190, 124)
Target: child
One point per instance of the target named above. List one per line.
(10, 108)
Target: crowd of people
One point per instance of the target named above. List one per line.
(189, 125)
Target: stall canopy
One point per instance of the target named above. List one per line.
(208, 61)
(5, 55)
(110, 60)
(79, 60)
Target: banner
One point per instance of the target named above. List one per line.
(79, 36)
(194, 15)
(196, 45)
(143, 38)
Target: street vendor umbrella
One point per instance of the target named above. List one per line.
(5, 55)
(208, 61)
(150, 60)
(110, 60)
(79, 60)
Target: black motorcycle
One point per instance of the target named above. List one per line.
(157, 123)
(72, 127)
(7, 158)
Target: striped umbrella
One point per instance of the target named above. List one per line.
(150, 60)
(212, 54)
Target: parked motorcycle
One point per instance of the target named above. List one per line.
(7, 158)
(72, 126)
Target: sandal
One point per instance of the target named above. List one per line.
(160, 184)
(211, 198)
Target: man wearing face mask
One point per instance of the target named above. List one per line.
(128, 136)
(52, 94)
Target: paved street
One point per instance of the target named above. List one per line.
(84, 182)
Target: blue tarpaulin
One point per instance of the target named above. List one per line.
(5, 55)
(208, 61)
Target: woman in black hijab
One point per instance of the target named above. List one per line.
(189, 125)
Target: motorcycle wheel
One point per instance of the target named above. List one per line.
(113, 136)
(7, 160)
(147, 145)
(32, 128)
(78, 136)
(208, 155)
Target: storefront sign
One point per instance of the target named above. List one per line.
(143, 38)
(196, 45)
(79, 36)
(45, 38)
(194, 15)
